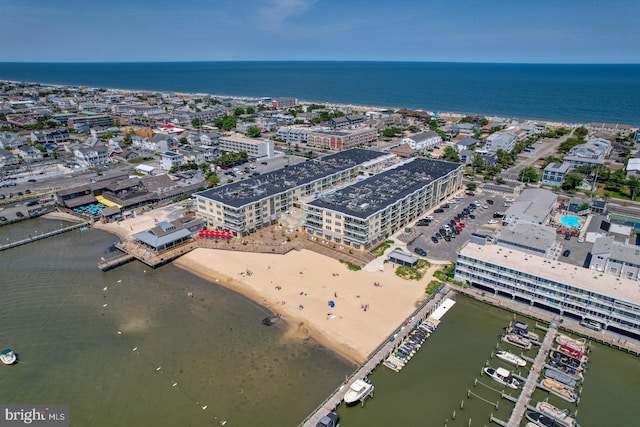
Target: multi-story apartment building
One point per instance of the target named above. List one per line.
(246, 206)
(554, 174)
(371, 210)
(90, 120)
(171, 159)
(50, 135)
(341, 140)
(552, 285)
(423, 141)
(254, 147)
(500, 140)
(92, 156)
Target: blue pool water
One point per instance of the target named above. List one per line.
(571, 221)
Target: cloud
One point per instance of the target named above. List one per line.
(274, 13)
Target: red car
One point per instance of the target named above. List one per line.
(456, 219)
(461, 224)
(457, 227)
(470, 193)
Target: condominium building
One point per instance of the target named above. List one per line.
(246, 206)
(562, 288)
(90, 120)
(254, 147)
(341, 140)
(500, 140)
(371, 210)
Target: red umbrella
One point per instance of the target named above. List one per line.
(201, 233)
(209, 233)
(216, 234)
(228, 235)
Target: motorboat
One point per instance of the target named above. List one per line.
(358, 390)
(566, 360)
(503, 376)
(561, 416)
(8, 357)
(576, 354)
(579, 344)
(509, 357)
(332, 419)
(521, 328)
(559, 390)
(517, 340)
(561, 377)
(541, 419)
(566, 369)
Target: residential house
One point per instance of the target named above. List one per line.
(30, 154)
(616, 258)
(534, 205)
(553, 175)
(50, 135)
(466, 144)
(10, 140)
(423, 141)
(92, 156)
(171, 159)
(7, 158)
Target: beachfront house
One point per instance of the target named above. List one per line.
(423, 141)
(501, 140)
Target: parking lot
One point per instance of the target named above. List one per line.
(447, 250)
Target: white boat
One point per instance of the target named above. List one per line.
(8, 357)
(559, 390)
(561, 416)
(502, 376)
(358, 391)
(509, 357)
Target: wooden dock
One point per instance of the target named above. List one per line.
(379, 355)
(112, 263)
(532, 379)
(42, 236)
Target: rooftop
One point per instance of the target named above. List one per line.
(557, 271)
(373, 194)
(280, 181)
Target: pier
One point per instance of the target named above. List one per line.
(112, 263)
(532, 379)
(379, 354)
(42, 236)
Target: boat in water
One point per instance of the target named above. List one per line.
(561, 377)
(557, 364)
(503, 376)
(576, 354)
(358, 390)
(541, 419)
(559, 390)
(566, 360)
(8, 357)
(561, 416)
(522, 329)
(509, 357)
(579, 344)
(517, 340)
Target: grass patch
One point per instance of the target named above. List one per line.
(379, 251)
(413, 273)
(350, 265)
(136, 160)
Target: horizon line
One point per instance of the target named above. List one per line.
(319, 60)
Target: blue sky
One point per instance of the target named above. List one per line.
(543, 31)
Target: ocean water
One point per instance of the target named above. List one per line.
(566, 93)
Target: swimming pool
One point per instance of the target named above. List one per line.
(572, 221)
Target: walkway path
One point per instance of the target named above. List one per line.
(530, 385)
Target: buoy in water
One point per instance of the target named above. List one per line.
(174, 384)
(135, 348)
(158, 368)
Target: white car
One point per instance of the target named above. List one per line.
(492, 221)
(485, 206)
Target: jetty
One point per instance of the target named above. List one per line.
(437, 303)
(43, 236)
(532, 379)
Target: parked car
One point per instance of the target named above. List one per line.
(434, 239)
(3, 218)
(567, 236)
(472, 216)
(439, 210)
(492, 221)
(490, 201)
(566, 253)
(447, 238)
(445, 206)
(19, 214)
(420, 251)
(470, 193)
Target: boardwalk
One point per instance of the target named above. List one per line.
(532, 378)
(42, 236)
(377, 356)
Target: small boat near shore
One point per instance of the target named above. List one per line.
(559, 390)
(541, 420)
(561, 377)
(522, 329)
(509, 357)
(579, 344)
(8, 357)
(502, 376)
(359, 389)
(517, 340)
(560, 416)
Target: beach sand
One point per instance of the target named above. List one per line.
(303, 279)
(299, 286)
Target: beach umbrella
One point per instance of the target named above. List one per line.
(216, 234)
(332, 304)
(201, 233)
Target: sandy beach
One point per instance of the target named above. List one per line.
(368, 304)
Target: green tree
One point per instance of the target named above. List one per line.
(472, 186)
(391, 131)
(127, 140)
(183, 140)
(212, 179)
(478, 164)
(251, 110)
(196, 122)
(584, 206)
(451, 154)
(238, 111)
(567, 145)
(580, 132)
(634, 185)
(226, 123)
(571, 181)
(529, 174)
(254, 132)
(616, 180)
